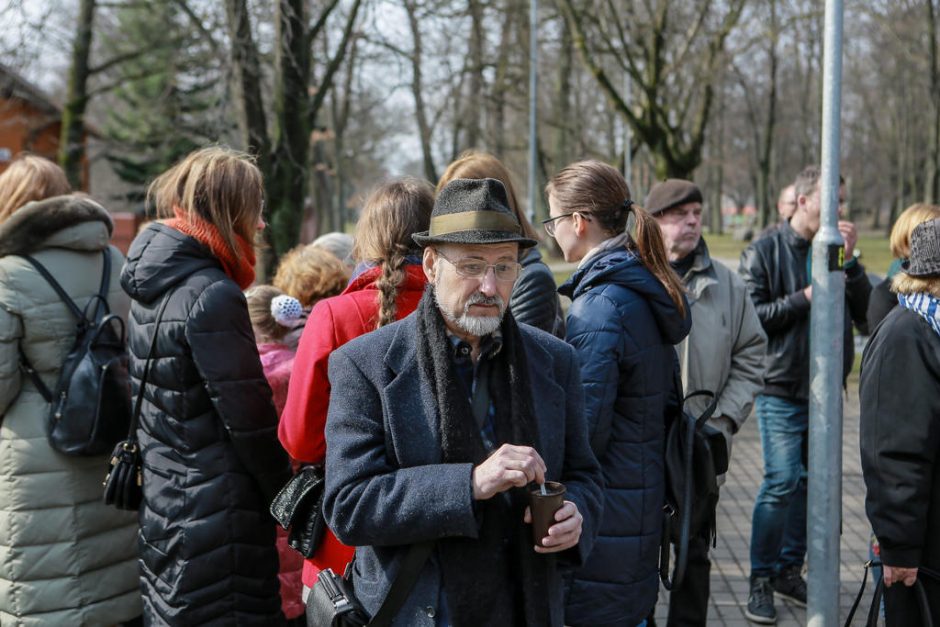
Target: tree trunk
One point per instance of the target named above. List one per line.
(287, 183)
(501, 84)
(417, 90)
(247, 74)
(72, 139)
(932, 175)
(717, 219)
(341, 112)
(474, 101)
(563, 100)
(764, 163)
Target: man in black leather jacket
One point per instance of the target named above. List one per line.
(777, 272)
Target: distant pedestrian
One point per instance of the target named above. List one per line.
(628, 310)
(534, 298)
(899, 393)
(786, 207)
(388, 287)
(65, 557)
(310, 273)
(724, 353)
(883, 299)
(776, 270)
(208, 430)
(340, 244)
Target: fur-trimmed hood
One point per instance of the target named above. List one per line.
(72, 221)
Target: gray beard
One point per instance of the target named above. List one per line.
(477, 326)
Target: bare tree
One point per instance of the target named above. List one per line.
(671, 66)
(72, 140)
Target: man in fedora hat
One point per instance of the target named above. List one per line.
(439, 423)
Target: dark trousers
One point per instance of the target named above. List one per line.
(688, 604)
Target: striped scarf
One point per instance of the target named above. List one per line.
(927, 306)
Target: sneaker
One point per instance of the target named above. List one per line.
(790, 585)
(760, 602)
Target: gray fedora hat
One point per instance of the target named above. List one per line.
(925, 250)
(473, 211)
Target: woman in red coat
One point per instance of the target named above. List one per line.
(386, 286)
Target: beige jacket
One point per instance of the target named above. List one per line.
(724, 353)
(65, 557)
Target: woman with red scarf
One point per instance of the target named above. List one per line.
(208, 428)
(386, 286)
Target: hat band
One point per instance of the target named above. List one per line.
(472, 221)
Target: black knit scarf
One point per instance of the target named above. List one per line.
(497, 578)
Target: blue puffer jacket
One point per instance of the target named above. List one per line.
(623, 325)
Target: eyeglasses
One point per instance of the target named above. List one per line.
(549, 224)
(470, 268)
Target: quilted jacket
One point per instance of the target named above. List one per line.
(623, 326)
(208, 436)
(65, 557)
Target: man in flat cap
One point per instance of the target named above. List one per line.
(776, 270)
(723, 353)
(439, 426)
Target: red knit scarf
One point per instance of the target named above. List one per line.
(240, 268)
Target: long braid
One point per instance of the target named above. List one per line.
(393, 273)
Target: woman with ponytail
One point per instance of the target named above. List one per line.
(628, 310)
(208, 429)
(386, 286)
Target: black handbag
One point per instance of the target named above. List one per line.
(696, 453)
(123, 485)
(332, 603)
(298, 507)
(875, 609)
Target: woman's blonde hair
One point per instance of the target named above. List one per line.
(900, 239)
(310, 273)
(903, 283)
(599, 190)
(259, 300)
(218, 185)
(390, 215)
(28, 178)
(474, 164)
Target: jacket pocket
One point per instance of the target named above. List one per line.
(163, 519)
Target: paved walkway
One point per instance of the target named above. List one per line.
(730, 558)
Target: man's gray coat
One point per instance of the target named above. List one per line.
(386, 487)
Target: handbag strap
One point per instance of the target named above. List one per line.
(138, 403)
(405, 580)
(875, 609)
(685, 523)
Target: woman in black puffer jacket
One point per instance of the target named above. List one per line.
(208, 430)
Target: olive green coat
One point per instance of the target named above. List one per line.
(725, 350)
(65, 557)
